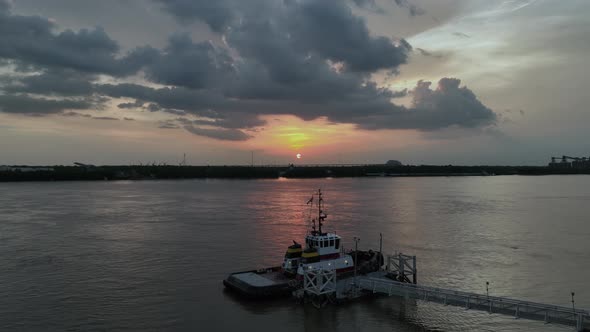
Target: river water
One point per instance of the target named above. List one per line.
(151, 255)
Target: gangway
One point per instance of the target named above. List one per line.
(547, 313)
(399, 279)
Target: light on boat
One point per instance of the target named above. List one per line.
(346, 262)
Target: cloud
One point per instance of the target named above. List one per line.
(305, 58)
(365, 3)
(168, 124)
(22, 104)
(447, 105)
(61, 82)
(330, 29)
(369, 5)
(461, 35)
(326, 28)
(135, 104)
(220, 134)
(175, 99)
(228, 120)
(412, 9)
(426, 53)
(31, 41)
(105, 118)
(188, 64)
(4, 6)
(75, 114)
(217, 14)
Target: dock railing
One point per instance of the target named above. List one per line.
(493, 304)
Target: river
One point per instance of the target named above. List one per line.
(151, 255)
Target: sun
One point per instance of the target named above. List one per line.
(298, 156)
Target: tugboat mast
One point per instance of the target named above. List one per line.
(321, 214)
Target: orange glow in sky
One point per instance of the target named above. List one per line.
(319, 141)
(289, 135)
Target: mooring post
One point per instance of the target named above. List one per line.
(356, 261)
(415, 278)
(389, 263)
(380, 245)
(400, 260)
(573, 304)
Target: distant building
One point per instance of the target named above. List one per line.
(393, 163)
(570, 162)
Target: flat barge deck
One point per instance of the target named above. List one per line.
(261, 284)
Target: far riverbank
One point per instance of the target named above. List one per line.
(146, 172)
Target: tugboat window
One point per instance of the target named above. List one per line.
(331, 242)
(337, 243)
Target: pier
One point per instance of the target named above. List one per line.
(399, 279)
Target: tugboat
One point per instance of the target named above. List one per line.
(322, 251)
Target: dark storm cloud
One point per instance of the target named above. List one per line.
(178, 98)
(327, 28)
(22, 104)
(63, 82)
(4, 6)
(330, 29)
(306, 58)
(365, 3)
(412, 8)
(135, 104)
(220, 134)
(30, 40)
(189, 64)
(217, 14)
(447, 105)
(369, 5)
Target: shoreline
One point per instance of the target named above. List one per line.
(102, 173)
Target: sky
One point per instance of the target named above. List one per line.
(461, 82)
